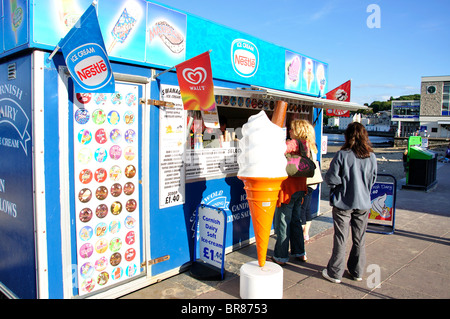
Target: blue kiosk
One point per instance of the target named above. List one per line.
(98, 191)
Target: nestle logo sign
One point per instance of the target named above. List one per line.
(89, 66)
(244, 57)
(92, 70)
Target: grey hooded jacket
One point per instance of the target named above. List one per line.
(351, 179)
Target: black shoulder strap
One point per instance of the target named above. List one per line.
(301, 149)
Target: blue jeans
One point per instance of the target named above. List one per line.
(305, 214)
(288, 228)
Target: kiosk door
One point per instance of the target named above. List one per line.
(107, 227)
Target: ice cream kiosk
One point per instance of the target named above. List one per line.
(98, 190)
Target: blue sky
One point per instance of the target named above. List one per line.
(413, 39)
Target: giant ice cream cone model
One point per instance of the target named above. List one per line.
(262, 197)
(279, 114)
(262, 168)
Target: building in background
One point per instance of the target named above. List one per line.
(406, 113)
(434, 106)
(379, 122)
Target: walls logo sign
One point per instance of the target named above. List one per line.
(195, 76)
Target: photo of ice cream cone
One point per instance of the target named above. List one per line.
(321, 80)
(262, 197)
(293, 69)
(69, 13)
(308, 73)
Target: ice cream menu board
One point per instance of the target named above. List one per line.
(211, 162)
(106, 179)
(172, 139)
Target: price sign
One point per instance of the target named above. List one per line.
(172, 137)
(211, 229)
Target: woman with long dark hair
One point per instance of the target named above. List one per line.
(351, 175)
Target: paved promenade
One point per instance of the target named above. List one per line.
(412, 263)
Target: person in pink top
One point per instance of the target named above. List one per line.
(287, 222)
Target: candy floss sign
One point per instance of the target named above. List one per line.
(244, 57)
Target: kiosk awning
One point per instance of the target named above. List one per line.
(271, 94)
(314, 101)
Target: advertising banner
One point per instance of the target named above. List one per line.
(382, 213)
(165, 35)
(123, 25)
(152, 34)
(341, 93)
(54, 18)
(196, 83)
(107, 190)
(382, 198)
(15, 23)
(85, 55)
(305, 75)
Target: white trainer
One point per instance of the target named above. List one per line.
(333, 280)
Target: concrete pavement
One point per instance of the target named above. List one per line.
(412, 263)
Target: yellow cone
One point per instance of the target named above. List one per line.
(262, 197)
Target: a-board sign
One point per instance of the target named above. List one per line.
(211, 222)
(382, 213)
(382, 198)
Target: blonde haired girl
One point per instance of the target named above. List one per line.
(287, 222)
(304, 131)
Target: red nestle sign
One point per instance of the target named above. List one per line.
(245, 61)
(92, 70)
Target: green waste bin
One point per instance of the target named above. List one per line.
(422, 165)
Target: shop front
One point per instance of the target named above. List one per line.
(98, 191)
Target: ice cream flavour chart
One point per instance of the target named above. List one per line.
(106, 179)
